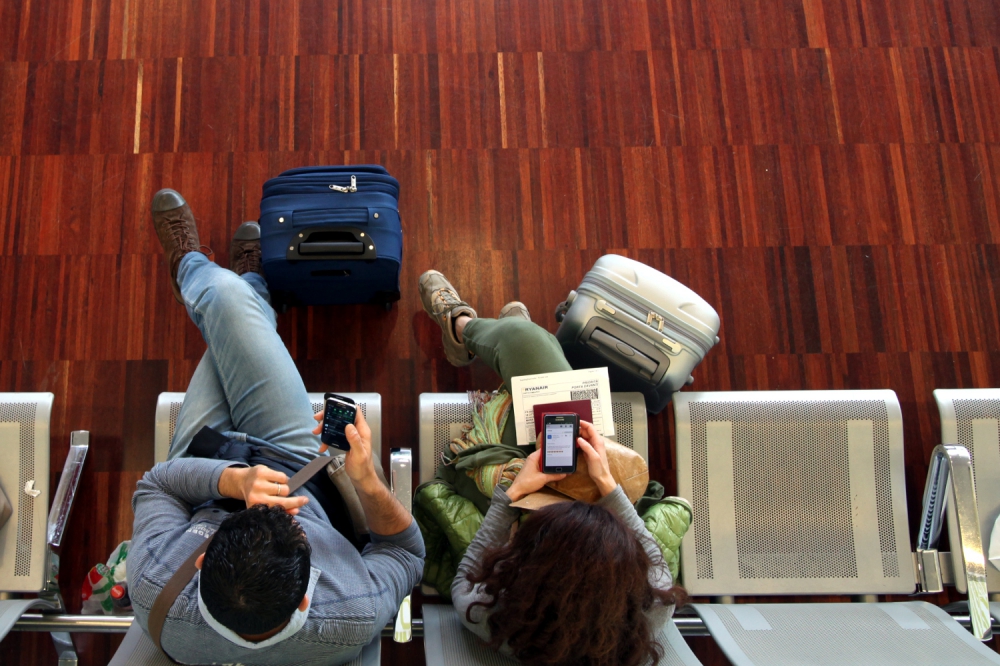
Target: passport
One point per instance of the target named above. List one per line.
(578, 407)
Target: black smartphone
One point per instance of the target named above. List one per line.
(559, 433)
(340, 411)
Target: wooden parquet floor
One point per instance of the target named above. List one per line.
(825, 172)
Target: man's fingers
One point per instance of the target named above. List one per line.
(269, 474)
(362, 424)
(319, 415)
(290, 503)
(293, 502)
(353, 436)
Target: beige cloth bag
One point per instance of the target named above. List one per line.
(627, 467)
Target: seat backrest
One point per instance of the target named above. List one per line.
(971, 418)
(443, 415)
(794, 492)
(24, 477)
(168, 406)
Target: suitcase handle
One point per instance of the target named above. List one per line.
(624, 351)
(332, 249)
(332, 243)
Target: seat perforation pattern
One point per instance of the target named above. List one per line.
(318, 406)
(445, 415)
(175, 410)
(967, 410)
(621, 414)
(792, 497)
(837, 634)
(23, 413)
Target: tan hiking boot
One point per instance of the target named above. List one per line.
(514, 309)
(443, 304)
(244, 250)
(176, 229)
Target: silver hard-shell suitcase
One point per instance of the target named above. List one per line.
(646, 327)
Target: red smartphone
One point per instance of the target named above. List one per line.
(559, 434)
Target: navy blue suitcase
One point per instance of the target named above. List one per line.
(332, 235)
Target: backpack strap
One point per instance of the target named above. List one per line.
(165, 599)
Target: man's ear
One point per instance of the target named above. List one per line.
(305, 603)
(198, 562)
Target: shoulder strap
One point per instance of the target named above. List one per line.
(165, 599)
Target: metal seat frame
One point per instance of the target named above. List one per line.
(732, 424)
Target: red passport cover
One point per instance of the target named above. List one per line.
(578, 407)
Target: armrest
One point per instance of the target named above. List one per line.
(62, 503)
(950, 475)
(401, 475)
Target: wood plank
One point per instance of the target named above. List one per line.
(824, 172)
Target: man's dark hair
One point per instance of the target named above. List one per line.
(256, 570)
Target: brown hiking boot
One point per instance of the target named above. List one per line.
(244, 250)
(514, 309)
(176, 230)
(442, 303)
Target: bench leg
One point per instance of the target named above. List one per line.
(63, 644)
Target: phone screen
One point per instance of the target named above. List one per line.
(559, 444)
(338, 415)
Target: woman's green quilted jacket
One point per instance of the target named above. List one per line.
(449, 522)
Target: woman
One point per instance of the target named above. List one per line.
(578, 583)
(581, 584)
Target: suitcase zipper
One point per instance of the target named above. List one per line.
(303, 185)
(653, 319)
(352, 188)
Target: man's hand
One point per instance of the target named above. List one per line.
(359, 464)
(318, 430)
(592, 445)
(259, 485)
(530, 478)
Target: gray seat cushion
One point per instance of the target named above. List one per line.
(911, 633)
(12, 609)
(447, 642)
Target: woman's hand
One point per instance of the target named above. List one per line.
(530, 478)
(259, 485)
(592, 445)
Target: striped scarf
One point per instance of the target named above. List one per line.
(490, 411)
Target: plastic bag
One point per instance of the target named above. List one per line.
(96, 589)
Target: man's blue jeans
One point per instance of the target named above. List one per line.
(246, 382)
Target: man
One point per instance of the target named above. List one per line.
(272, 589)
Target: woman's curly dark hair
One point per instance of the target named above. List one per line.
(572, 587)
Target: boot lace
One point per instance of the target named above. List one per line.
(248, 261)
(444, 300)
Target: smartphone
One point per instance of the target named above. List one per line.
(559, 433)
(340, 411)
